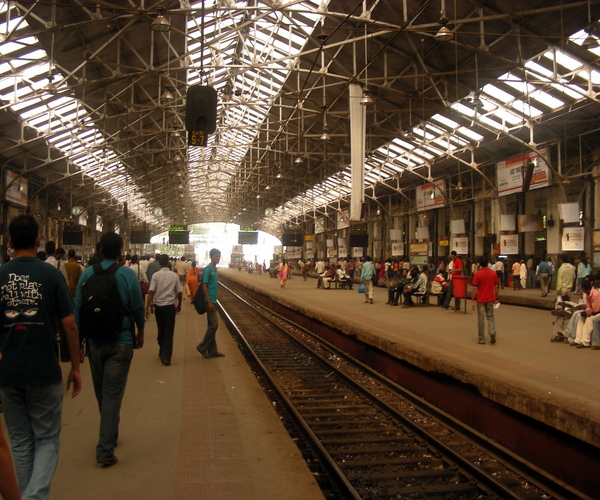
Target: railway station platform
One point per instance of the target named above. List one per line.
(549, 382)
(198, 429)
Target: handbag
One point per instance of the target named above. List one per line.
(362, 288)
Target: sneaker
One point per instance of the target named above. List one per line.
(481, 341)
(492, 338)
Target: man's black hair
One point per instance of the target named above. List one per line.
(214, 251)
(453, 252)
(484, 261)
(72, 253)
(50, 247)
(110, 245)
(60, 251)
(163, 260)
(23, 231)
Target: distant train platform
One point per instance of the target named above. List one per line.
(549, 382)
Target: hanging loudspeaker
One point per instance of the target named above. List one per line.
(201, 109)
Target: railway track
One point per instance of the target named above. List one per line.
(374, 440)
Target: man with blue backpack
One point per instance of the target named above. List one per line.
(108, 307)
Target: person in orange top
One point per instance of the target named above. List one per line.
(192, 279)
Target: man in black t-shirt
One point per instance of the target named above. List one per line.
(33, 297)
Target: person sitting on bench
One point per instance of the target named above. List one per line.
(418, 284)
(397, 287)
(343, 278)
(327, 276)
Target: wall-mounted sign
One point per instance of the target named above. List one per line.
(343, 219)
(572, 239)
(510, 172)
(431, 195)
(15, 189)
(460, 245)
(319, 225)
(509, 244)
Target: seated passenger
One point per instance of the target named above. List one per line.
(570, 313)
(417, 284)
(439, 287)
(327, 276)
(589, 317)
(343, 278)
(397, 287)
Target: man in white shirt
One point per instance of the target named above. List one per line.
(181, 268)
(165, 289)
(53, 261)
(499, 268)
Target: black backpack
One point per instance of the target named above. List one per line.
(101, 313)
(199, 302)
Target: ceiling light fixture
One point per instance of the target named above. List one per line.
(298, 160)
(444, 34)
(167, 95)
(366, 98)
(160, 24)
(590, 43)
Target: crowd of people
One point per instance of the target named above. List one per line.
(44, 298)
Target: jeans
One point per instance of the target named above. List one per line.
(209, 343)
(110, 367)
(485, 310)
(165, 323)
(33, 418)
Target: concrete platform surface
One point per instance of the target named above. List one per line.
(550, 382)
(198, 429)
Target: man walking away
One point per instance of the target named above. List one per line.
(208, 347)
(543, 274)
(74, 271)
(367, 273)
(110, 357)
(33, 297)
(165, 289)
(485, 289)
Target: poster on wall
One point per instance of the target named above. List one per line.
(15, 191)
(397, 249)
(395, 234)
(460, 245)
(509, 244)
(510, 172)
(357, 252)
(572, 239)
(319, 225)
(343, 219)
(430, 195)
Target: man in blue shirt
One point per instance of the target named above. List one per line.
(208, 346)
(110, 359)
(33, 297)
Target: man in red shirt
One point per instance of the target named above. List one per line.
(485, 289)
(455, 268)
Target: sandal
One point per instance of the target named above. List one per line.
(219, 355)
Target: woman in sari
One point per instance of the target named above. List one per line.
(192, 278)
(284, 270)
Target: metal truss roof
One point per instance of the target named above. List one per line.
(93, 100)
